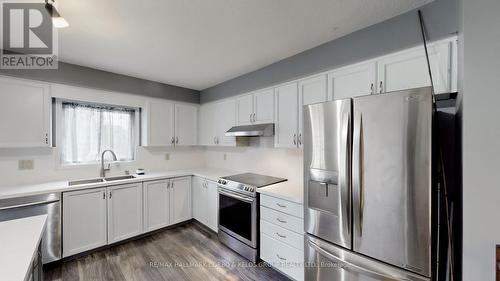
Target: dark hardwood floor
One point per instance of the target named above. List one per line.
(187, 252)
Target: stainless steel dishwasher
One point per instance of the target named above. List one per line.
(44, 204)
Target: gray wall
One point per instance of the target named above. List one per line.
(389, 36)
(76, 75)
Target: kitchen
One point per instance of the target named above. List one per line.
(342, 149)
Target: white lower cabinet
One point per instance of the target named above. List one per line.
(180, 200)
(124, 211)
(282, 235)
(156, 200)
(99, 216)
(205, 202)
(84, 220)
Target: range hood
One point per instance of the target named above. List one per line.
(257, 130)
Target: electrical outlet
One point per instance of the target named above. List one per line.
(167, 156)
(26, 164)
(225, 156)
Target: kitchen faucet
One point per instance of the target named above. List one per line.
(103, 170)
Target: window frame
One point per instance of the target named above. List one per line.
(58, 128)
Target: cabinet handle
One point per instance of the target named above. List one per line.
(280, 235)
(372, 90)
(217, 138)
(250, 117)
(294, 139)
(381, 87)
(103, 195)
(254, 117)
(46, 138)
(281, 258)
(110, 194)
(172, 140)
(176, 140)
(299, 139)
(279, 205)
(214, 141)
(280, 220)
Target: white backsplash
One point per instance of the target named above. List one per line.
(46, 167)
(260, 157)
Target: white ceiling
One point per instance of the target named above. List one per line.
(200, 43)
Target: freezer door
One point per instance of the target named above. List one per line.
(392, 178)
(327, 262)
(327, 142)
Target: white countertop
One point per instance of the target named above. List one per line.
(18, 246)
(62, 186)
(284, 190)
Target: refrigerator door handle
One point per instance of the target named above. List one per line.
(361, 183)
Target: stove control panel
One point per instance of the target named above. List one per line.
(236, 186)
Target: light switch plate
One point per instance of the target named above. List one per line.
(167, 156)
(26, 164)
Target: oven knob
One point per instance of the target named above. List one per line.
(219, 181)
(224, 182)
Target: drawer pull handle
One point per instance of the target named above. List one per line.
(280, 235)
(280, 220)
(279, 205)
(281, 258)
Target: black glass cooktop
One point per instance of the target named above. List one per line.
(254, 179)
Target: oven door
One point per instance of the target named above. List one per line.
(238, 216)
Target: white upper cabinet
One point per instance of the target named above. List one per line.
(408, 69)
(158, 129)
(215, 119)
(352, 81)
(156, 204)
(311, 90)
(167, 124)
(264, 107)
(186, 124)
(24, 113)
(256, 108)
(180, 200)
(207, 125)
(125, 218)
(225, 118)
(286, 112)
(244, 109)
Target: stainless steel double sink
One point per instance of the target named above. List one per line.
(99, 180)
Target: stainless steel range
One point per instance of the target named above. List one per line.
(239, 212)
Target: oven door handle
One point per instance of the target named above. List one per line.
(246, 199)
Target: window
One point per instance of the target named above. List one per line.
(85, 130)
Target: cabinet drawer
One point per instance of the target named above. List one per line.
(283, 235)
(281, 219)
(282, 205)
(282, 257)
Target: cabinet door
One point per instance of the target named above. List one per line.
(24, 113)
(207, 127)
(180, 200)
(407, 70)
(160, 124)
(186, 124)
(312, 90)
(212, 205)
(199, 201)
(84, 220)
(124, 212)
(244, 109)
(264, 106)
(353, 81)
(225, 113)
(156, 205)
(286, 120)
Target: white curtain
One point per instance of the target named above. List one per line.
(88, 130)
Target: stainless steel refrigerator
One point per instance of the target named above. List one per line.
(367, 179)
